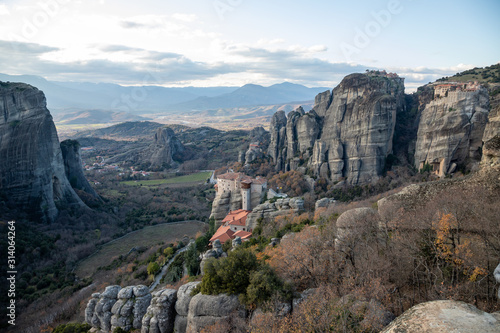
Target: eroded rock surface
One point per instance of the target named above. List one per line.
(444, 316)
(73, 167)
(348, 134)
(32, 171)
(160, 315)
(207, 310)
(268, 211)
(118, 307)
(451, 129)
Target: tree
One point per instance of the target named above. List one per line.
(192, 261)
(153, 268)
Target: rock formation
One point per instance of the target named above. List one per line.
(162, 153)
(216, 252)
(32, 173)
(445, 316)
(491, 153)
(73, 167)
(182, 306)
(221, 206)
(268, 211)
(354, 222)
(159, 317)
(118, 307)
(451, 129)
(493, 126)
(496, 274)
(165, 148)
(207, 310)
(348, 134)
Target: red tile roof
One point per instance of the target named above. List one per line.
(223, 234)
(242, 234)
(236, 217)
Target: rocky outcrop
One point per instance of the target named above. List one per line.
(277, 149)
(491, 153)
(32, 173)
(216, 252)
(164, 152)
(165, 148)
(207, 310)
(182, 306)
(268, 211)
(160, 315)
(117, 307)
(444, 316)
(492, 128)
(221, 206)
(451, 130)
(324, 203)
(353, 223)
(348, 134)
(73, 167)
(496, 274)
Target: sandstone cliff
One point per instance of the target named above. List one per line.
(165, 148)
(163, 152)
(348, 134)
(73, 167)
(32, 173)
(451, 130)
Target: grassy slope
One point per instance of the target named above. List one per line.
(148, 236)
(193, 178)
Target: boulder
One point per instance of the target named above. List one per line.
(102, 311)
(118, 307)
(160, 315)
(444, 316)
(207, 310)
(324, 203)
(354, 221)
(268, 211)
(496, 274)
(182, 306)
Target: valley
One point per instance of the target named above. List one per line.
(369, 200)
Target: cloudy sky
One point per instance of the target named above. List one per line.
(234, 42)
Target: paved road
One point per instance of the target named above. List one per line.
(165, 267)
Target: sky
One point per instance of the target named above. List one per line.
(235, 42)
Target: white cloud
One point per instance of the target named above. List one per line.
(4, 10)
(185, 17)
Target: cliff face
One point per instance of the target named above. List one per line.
(73, 167)
(451, 129)
(32, 171)
(347, 135)
(165, 147)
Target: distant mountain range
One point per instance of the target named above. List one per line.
(67, 97)
(95, 117)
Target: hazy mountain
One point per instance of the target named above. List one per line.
(96, 117)
(251, 95)
(75, 96)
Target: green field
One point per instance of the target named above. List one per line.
(193, 178)
(148, 236)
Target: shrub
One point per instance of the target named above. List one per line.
(153, 268)
(72, 328)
